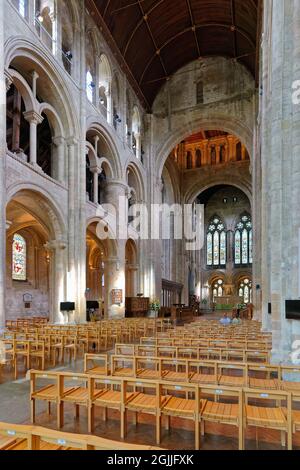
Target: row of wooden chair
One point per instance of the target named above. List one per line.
(193, 352)
(235, 406)
(207, 343)
(251, 375)
(22, 437)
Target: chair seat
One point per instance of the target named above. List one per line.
(175, 376)
(203, 378)
(76, 395)
(231, 380)
(149, 374)
(268, 384)
(179, 407)
(290, 386)
(220, 412)
(109, 397)
(123, 372)
(97, 370)
(143, 402)
(265, 417)
(49, 393)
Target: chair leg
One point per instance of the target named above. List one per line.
(60, 415)
(49, 408)
(202, 424)
(105, 414)
(91, 418)
(283, 438)
(32, 409)
(197, 434)
(158, 429)
(168, 423)
(77, 411)
(123, 424)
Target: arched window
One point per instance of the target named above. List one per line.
(23, 8)
(105, 79)
(245, 290)
(136, 132)
(216, 243)
(243, 241)
(218, 288)
(239, 152)
(19, 258)
(213, 155)
(90, 85)
(198, 158)
(189, 161)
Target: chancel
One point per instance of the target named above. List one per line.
(149, 229)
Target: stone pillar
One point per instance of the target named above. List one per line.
(115, 279)
(59, 143)
(96, 185)
(34, 119)
(2, 172)
(138, 145)
(281, 170)
(57, 281)
(232, 147)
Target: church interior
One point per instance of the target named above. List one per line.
(149, 244)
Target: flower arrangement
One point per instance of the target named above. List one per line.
(155, 305)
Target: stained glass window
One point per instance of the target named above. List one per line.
(19, 258)
(216, 242)
(218, 288)
(209, 249)
(245, 290)
(216, 248)
(22, 8)
(89, 86)
(243, 241)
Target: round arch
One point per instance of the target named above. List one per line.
(35, 56)
(194, 191)
(140, 189)
(224, 123)
(109, 141)
(46, 205)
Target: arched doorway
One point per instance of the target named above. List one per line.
(35, 257)
(131, 269)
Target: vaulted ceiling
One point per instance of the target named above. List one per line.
(154, 38)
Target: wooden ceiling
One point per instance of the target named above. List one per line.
(155, 38)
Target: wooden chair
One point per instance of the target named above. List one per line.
(203, 372)
(107, 398)
(225, 406)
(173, 403)
(175, 370)
(263, 376)
(96, 364)
(37, 351)
(78, 395)
(266, 409)
(143, 400)
(234, 375)
(290, 378)
(123, 366)
(148, 368)
(45, 392)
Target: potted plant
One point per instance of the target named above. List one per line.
(154, 308)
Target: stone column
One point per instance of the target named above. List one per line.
(281, 170)
(59, 143)
(2, 172)
(95, 172)
(57, 281)
(115, 279)
(34, 119)
(138, 145)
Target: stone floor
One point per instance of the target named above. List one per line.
(15, 408)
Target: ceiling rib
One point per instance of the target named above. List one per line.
(186, 30)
